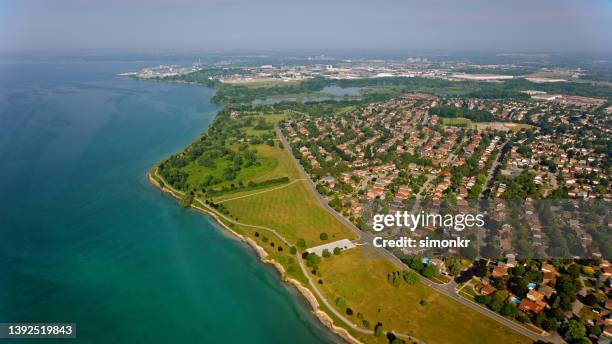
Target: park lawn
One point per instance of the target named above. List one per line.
(293, 211)
(361, 279)
(247, 191)
(275, 118)
(284, 166)
(256, 132)
(197, 173)
(274, 163)
(459, 121)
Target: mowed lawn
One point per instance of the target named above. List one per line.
(361, 279)
(284, 165)
(293, 211)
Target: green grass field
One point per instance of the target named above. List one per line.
(293, 211)
(459, 121)
(361, 279)
(197, 173)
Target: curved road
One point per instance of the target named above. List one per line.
(447, 289)
(314, 287)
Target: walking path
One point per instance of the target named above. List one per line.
(264, 191)
(301, 263)
(448, 289)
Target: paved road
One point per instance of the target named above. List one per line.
(447, 289)
(312, 284)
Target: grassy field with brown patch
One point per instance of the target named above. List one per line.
(361, 279)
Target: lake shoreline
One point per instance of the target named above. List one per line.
(310, 298)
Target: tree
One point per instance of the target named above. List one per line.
(428, 271)
(469, 252)
(590, 300)
(323, 236)
(335, 203)
(378, 330)
(301, 243)
(595, 330)
(341, 303)
(312, 260)
(496, 305)
(574, 270)
(574, 331)
(416, 265)
(501, 296)
(480, 269)
(411, 277)
(337, 250)
(293, 250)
(326, 253)
(509, 310)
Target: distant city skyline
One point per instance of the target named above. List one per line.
(189, 25)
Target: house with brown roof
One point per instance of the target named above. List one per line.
(547, 291)
(500, 270)
(549, 268)
(535, 296)
(527, 305)
(608, 305)
(485, 289)
(606, 271)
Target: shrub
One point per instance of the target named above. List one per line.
(378, 330)
(293, 250)
(341, 302)
(416, 265)
(428, 271)
(410, 277)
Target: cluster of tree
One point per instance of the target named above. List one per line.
(395, 278)
(427, 270)
(497, 302)
(250, 185)
(218, 206)
(312, 261)
(520, 187)
(173, 175)
(230, 93)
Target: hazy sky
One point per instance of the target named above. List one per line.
(519, 25)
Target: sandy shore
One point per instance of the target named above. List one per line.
(320, 315)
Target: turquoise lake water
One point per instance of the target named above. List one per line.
(85, 239)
